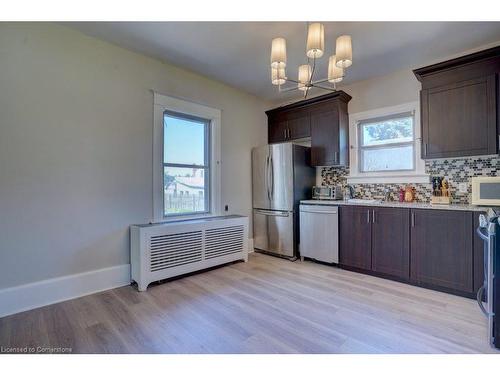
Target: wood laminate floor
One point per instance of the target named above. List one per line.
(267, 305)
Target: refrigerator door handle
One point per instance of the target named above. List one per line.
(271, 163)
(267, 177)
(272, 213)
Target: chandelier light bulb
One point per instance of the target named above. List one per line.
(343, 51)
(315, 40)
(335, 74)
(278, 53)
(278, 76)
(315, 48)
(304, 77)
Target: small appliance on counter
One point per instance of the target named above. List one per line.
(440, 191)
(327, 192)
(486, 191)
(489, 231)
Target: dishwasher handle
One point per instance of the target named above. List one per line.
(320, 212)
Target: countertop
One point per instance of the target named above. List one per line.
(423, 205)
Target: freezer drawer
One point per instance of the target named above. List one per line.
(273, 231)
(319, 233)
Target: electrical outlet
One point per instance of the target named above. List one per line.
(226, 208)
(462, 187)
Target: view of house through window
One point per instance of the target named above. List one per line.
(186, 164)
(387, 144)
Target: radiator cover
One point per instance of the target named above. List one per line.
(161, 251)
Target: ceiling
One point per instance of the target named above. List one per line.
(237, 53)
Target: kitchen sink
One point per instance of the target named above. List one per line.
(364, 201)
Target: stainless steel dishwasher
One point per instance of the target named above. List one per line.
(319, 232)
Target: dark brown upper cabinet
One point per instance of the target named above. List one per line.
(459, 106)
(324, 119)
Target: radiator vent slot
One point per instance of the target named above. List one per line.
(174, 250)
(223, 241)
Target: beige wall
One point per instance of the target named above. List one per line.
(76, 148)
(389, 90)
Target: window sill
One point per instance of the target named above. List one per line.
(167, 219)
(390, 179)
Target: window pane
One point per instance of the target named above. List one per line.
(184, 141)
(388, 131)
(387, 159)
(186, 190)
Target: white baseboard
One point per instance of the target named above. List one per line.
(250, 245)
(46, 292)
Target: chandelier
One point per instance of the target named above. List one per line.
(315, 48)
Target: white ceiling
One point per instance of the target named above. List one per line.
(237, 53)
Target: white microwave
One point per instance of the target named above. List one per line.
(486, 191)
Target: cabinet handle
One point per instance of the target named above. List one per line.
(288, 131)
(368, 216)
(413, 219)
(425, 149)
(336, 156)
(373, 216)
(284, 133)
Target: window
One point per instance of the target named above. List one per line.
(186, 164)
(186, 159)
(387, 144)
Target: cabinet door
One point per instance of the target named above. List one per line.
(459, 119)
(277, 129)
(355, 237)
(478, 257)
(299, 124)
(391, 241)
(325, 137)
(441, 248)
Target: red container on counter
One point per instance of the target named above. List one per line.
(401, 195)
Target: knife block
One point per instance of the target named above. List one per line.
(440, 200)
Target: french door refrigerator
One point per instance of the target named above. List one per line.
(281, 177)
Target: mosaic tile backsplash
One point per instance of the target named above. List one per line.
(455, 171)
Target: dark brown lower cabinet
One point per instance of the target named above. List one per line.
(441, 249)
(436, 249)
(355, 237)
(478, 256)
(391, 241)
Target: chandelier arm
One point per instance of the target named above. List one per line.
(293, 88)
(313, 69)
(319, 81)
(325, 88)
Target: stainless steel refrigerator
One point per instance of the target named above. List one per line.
(281, 177)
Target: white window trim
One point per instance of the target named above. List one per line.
(164, 103)
(416, 176)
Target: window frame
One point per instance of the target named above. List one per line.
(206, 163)
(417, 175)
(162, 104)
(362, 147)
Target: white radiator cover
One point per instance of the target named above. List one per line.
(161, 251)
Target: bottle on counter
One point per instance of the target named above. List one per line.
(409, 195)
(401, 195)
